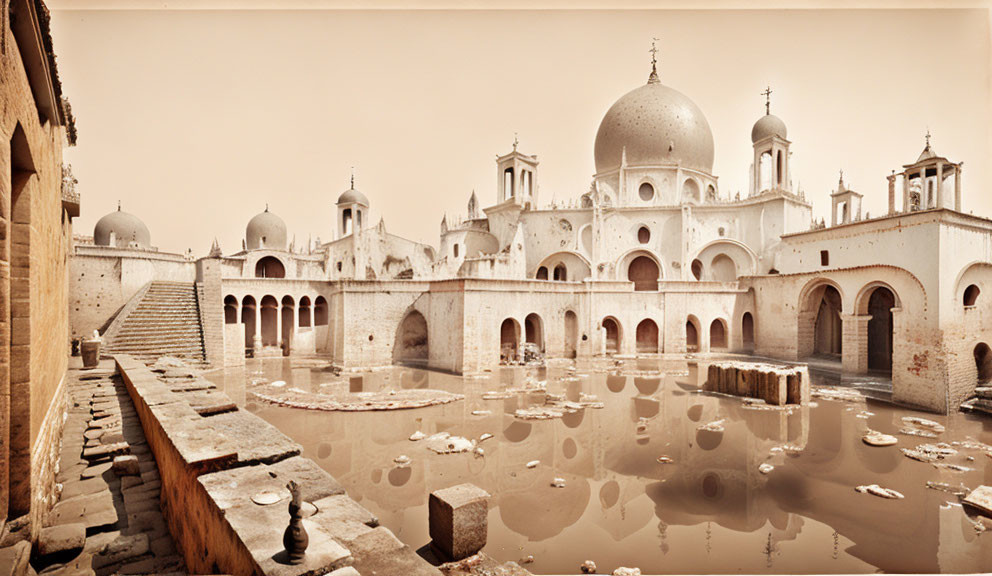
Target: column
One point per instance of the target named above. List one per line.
(854, 343)
(905, 192)
(310, 313)
(957, 187)
(257, 338)
(940, 184)
(279, 324)
(892, 194)
(774, 181)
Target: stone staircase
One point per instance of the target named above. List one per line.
(981, 401)
(165, 322)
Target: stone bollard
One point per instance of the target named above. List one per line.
(458, 518)
(90, 350)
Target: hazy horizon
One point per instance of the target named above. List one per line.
(196, 119)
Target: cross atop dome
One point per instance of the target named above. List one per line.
(653, 77)
(768, 99)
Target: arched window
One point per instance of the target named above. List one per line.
(643, 235)
(346, 221)
(690, 191)
(534, 330)
(697, 269)
(612, 328)
(718, 334)
(542, 273)
(305, 312)
(765, 172)
(455, 249)
(723, 269)
(983, 363)
(646, 191)
(561, 273)
(971, 295)
(269, 267)
(644, 273)
(320, 311)
(778, 167)
(747, 330)
(691, 335)
(647, 336)
(507, 183)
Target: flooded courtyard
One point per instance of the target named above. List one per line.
(657, 474)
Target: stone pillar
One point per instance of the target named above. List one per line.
(957, 187)
(854, 343)
(257, 338)
(905, 192)
(279, 309)
(940, 184)
(458, 518)
(211, 303)
(892, 194)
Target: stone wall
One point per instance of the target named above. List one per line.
(35, 238)
(103, 280)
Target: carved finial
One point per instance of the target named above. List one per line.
(266, 206)
(352, 177)
(768, 99)
(928, 137)
(653, 77)
(515, 141)
(118, 205)
(295, 539)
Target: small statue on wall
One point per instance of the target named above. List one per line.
(295, 539)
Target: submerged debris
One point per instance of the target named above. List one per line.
(558, 482)
(909, 431)
(876, 490)
(588, 567)
(665, 460)
(533, 463)
(402, 460)
(355, 402)
(959, 490)
(876, 438)
(418, 435)
(445, 443)
(841, 394)
(929, 453)
(924, 423)
(765, 468)
(714, 426)
(624, 571)
(864, 414)
(485, 437)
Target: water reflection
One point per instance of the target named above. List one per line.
(620, 506)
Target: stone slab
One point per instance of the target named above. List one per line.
(14, 559)
(258, 441)
(981, 499)
(93, 510)
(380, 552)
(458, 518)
(61, 542)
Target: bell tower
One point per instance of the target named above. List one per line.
(516, 178)
(770, 170)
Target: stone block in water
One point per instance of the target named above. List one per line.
(458, 519)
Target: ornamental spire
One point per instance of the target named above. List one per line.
(653, 77)
(768, 100)
(352, 177)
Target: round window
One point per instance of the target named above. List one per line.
(643, 235)
(646, 191)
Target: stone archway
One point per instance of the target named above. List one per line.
(571, 334)
(270, 321)
(411, 344)
(230, 310)
(534, 331)
(983, 364)
(647, 337)
(269, 267)
(880, 305)
(827, 327)
(691, 334)
(718, 334)
(644, 273)
(248, 317)
(747, 331)
(613, 335)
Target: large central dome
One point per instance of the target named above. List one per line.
(657, 125)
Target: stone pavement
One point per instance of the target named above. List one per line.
(108, 519)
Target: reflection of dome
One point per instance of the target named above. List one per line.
(126, 228)
(353, 196)
(768, 125)
(266, 230)
(656, 125)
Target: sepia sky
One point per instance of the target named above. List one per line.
(195, 119)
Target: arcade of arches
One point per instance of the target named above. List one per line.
(274, 322)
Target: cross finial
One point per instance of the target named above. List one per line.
(928, 137)
(118, 205)
(515, 141)
(352, 177)
(266, 206)
(653, 78)
(768, 99)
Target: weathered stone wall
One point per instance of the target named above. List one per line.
(210, 298)
(103, 280)
(35, 237)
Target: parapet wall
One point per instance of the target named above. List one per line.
(220, 468)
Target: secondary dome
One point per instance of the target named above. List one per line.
(657, 125)
(125, 228)
(768, 125)
(353, 196)
(266, 230)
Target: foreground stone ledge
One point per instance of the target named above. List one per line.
(223, 489)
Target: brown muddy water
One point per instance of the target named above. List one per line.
(708, 511)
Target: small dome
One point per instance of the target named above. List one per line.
(266, 230)
(768, 125)
(351, 195)
(657, 125)
(125, 227)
